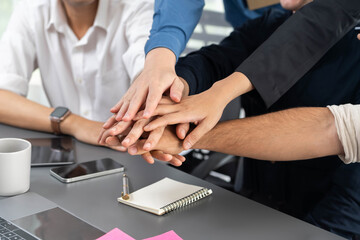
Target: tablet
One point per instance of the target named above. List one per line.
(57, 224)
(52, 151)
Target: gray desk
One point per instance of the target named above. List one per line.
(224, 215)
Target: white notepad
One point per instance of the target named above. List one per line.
(165, 195)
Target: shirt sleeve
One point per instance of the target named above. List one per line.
(138, 25)
(347, 119)
(297, 45)
(173, 23)
(17, 48)
(202, 68)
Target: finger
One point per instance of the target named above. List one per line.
(175, 162)
(120, 114)
(152, 101)
(153, 138)
(110, 122)
(117, 106)
(135, 132)
(169, 119)
(135, 104)
(165, 100)
(176, 90)
(101, 135)
(117, 129)
(181, 158)
(148, 158)
(120, 128)
(160, 110)
(160, 155)
(112, 141)
(182, 129)
(136, 148)
(119, 148)
(139, 115)
(196, 134)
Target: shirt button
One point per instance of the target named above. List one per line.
(79, 80)
(86, 113)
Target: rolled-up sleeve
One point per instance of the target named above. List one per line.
(347, 122)
(18, 54)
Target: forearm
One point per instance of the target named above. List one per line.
(20, 112)
(293, 134)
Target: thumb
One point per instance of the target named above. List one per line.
(176, 90)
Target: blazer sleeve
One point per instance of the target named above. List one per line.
(298, 45)
(202, 68)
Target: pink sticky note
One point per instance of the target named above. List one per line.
(170, 235)
(116, 234)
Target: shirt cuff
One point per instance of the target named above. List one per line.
(166, 40)
(347, 118)
(14, 83)
(188, 76)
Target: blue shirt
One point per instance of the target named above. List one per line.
(175, 21)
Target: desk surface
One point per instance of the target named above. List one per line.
(224, 215)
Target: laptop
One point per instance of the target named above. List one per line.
(31, 217)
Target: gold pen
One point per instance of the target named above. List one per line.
(125, 193)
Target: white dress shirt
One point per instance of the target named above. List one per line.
(88, 75)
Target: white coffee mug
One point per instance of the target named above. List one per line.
(15, 164)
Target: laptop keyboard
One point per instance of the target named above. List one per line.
(9, 231)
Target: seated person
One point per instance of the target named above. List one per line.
(88, 53)
(313, 190)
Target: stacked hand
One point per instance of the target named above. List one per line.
(141, 118)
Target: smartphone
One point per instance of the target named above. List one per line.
(86, 170)
(52, 151)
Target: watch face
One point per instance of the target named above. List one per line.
(59, 112)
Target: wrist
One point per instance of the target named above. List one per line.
(233, 86)
(160, 58)
(70, 124)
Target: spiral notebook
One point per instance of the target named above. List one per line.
(165, 196)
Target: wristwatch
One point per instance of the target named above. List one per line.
(57, 116)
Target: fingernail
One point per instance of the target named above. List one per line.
(147, 146)
(146, 114)
(121, 148)
(126, 140)
(133, 150)
(182, 133)
(187, 146)
(127, 115)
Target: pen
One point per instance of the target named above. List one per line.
(125, 193)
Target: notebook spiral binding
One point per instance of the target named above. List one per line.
(187, 200)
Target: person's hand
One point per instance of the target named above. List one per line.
(84, 130)
(157, 77)
(132, 131)
(175, 159)
(168, 143)
(358, 36)
(204, 109)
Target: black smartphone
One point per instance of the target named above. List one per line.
(86, 170)
(52, 151)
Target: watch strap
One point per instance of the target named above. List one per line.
(55, 125)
